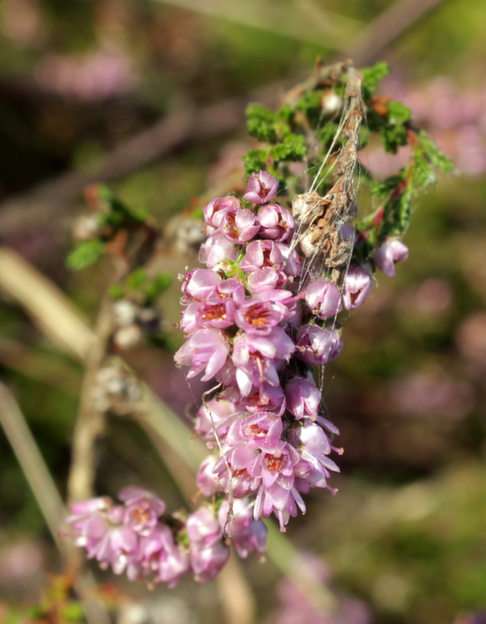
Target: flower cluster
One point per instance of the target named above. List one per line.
(255, 328)
(135, 536)
(255, 332)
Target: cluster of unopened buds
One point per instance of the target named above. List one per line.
(255, 329)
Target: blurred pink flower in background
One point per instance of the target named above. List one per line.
(431, 393)
(295, 608)
(471, 339)
(99, 75)
(432, 298)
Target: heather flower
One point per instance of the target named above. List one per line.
(247, 535)
(357, 286)
(207, 561)
(257, 358)
(142, 509)
(316, 345)
(303, 398)
(200, 284)
(216, 415)
(275, 473)
(203, 527)
(161, 558)
(241, 226)
(276, 222)
(323, 298)
(266, 279)
(230, 289)
(216, 249)
(293, 261)
(218, 313)
(207, 552)
(262, 253)
(266, 398)
(262, 187)
(208, 480)
(388, 254)
(217, 209)
(110, 541)
(314, 446)
(260, 317)
(261, 429)
(206, 350)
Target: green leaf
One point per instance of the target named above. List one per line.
(260, 122)
(157, 286)
(398, 113)
(434, 154)
(371, 78)
(136, 279)
(85, 254)
(293, 147)
(255, 160)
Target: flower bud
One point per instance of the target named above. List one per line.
(357, 286)
(388, 254)
(262, 187)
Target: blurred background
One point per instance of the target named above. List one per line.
(149, 95)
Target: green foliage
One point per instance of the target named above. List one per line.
(400, 191)
(260, 122)
(371, 78)
(255, 160)
(85, 254)
(293, 147)
(432, 153)
(311, 105)
(116, 213)
(140, 286)
(392, 125)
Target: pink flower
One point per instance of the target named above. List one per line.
(161, 558)
(203, 527)
(200, 284)
(111, 542)
(216, 415)
(266, 279)
(262, 187)
(217, 209)
(293, 261)
(277, 493)
(241, 226)
(262, 429)
(257, 358)
(216, 249)
(247, 535)
(207, 562)
(208, 481)
(357, 286)
(314, 446)
(142, 509)
(317, 346)
(260, 254)
(276, 222)
(303, 398)
(206, 350)
(216, 313)
(323, 298)
(260, 317)
(388, 254)
(266, 398)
